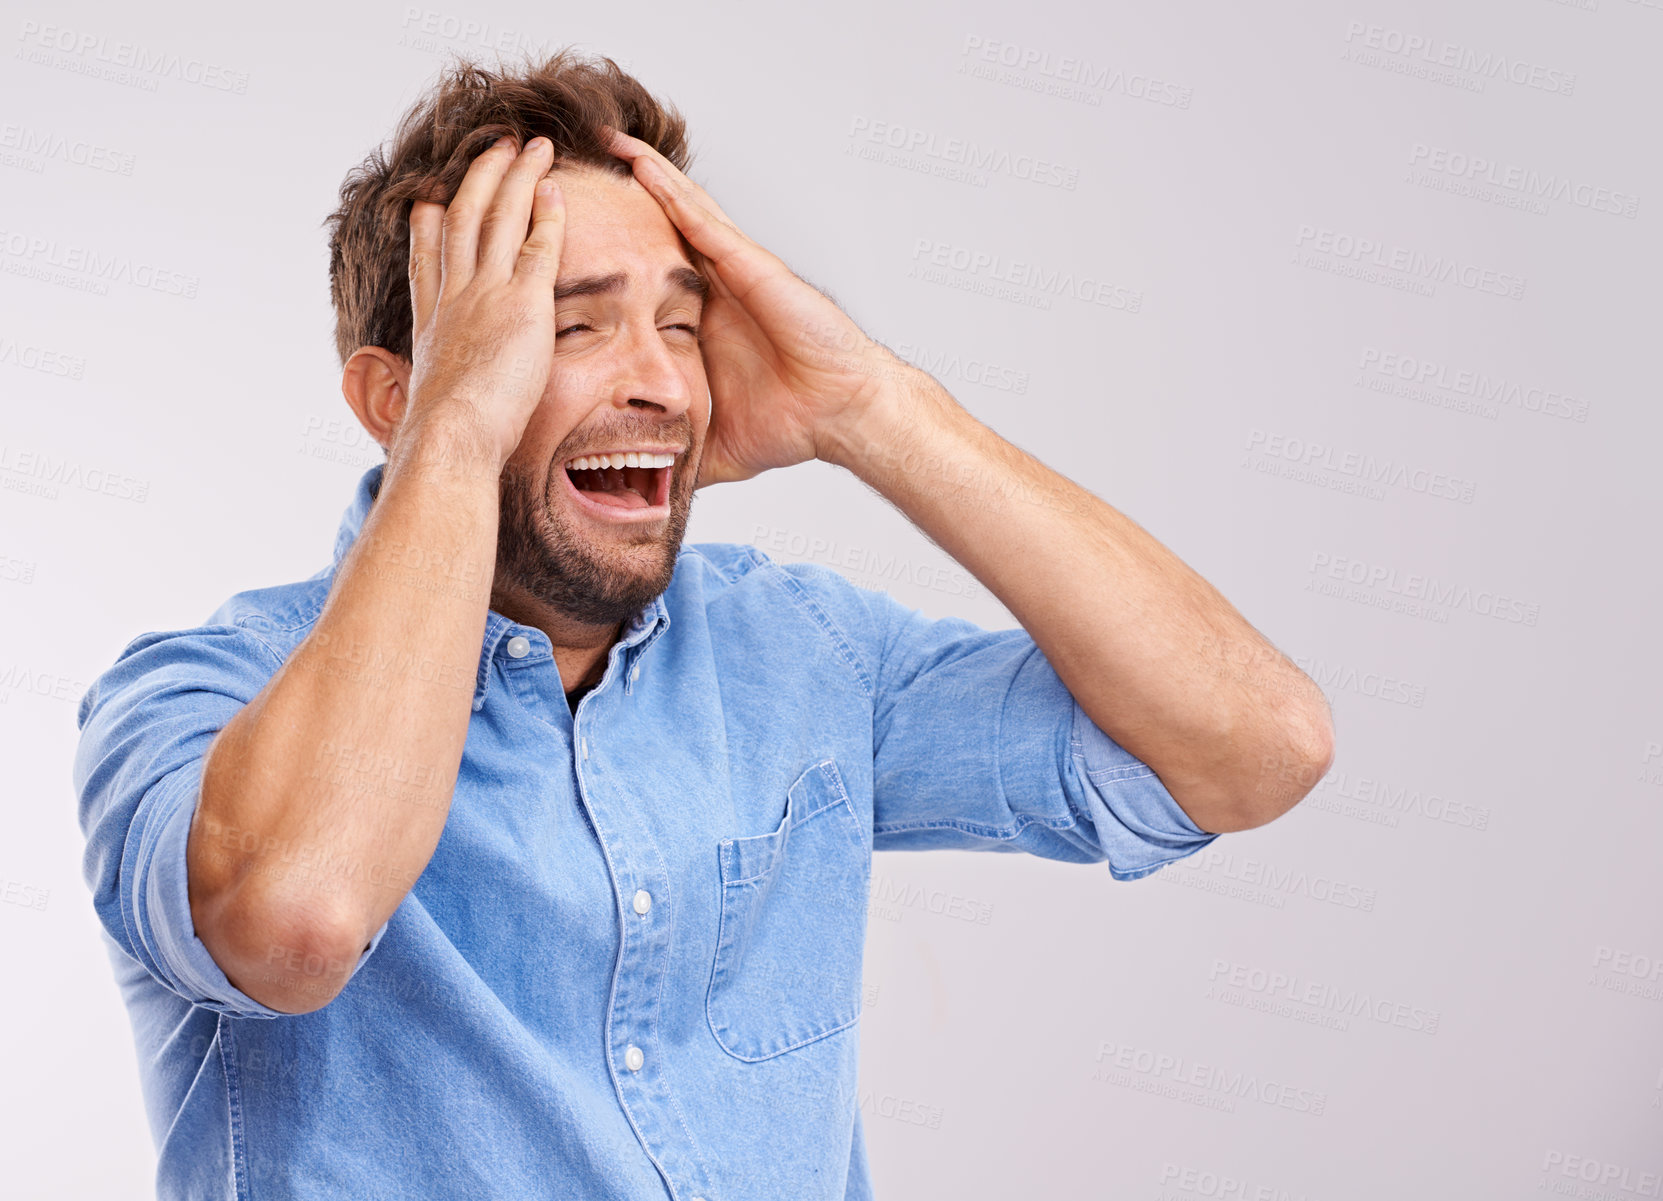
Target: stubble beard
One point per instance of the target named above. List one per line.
(593, 575)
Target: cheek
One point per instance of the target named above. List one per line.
(703, 407)
(537, 442)
(561, 409)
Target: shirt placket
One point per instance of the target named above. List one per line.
(640, 884)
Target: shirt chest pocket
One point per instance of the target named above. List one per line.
(793, 924)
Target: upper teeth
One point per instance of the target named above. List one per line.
(626, 459)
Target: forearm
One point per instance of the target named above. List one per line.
(324, 798)
(1147, 647)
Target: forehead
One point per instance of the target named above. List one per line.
(613, 223)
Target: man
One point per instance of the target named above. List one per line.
(523, 851)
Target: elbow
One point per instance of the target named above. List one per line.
(1267, 751)
(291, 957)
(289, 946)
(1258, 769)
(1297, 753)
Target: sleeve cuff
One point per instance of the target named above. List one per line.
(1139, 825)
(164, 926)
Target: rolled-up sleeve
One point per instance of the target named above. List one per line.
(978, 745)
(146, 726)
(1139, 825)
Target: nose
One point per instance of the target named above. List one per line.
(652, 374)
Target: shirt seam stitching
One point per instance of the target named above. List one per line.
(242, 624)
(307, 615)
(233, 1104)
(1003, 833)
(833, 632)
(1114, 775)
(999, 751)
(750, 554)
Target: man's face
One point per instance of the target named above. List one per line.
(627, 375)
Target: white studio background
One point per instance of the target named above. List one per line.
(1372, 312)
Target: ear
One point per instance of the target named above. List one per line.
(376, 384)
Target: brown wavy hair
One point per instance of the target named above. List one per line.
(565, 98)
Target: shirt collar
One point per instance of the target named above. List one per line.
(641, 629)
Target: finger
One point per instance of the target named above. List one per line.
(539, 259)
(678, 195)
(426, 233)
(502, 231)
(625, 146)
(719, 289)
(460, 245)
(737, 261)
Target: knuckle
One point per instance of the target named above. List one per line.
(538, 263)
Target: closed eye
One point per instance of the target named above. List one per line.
(692, 329)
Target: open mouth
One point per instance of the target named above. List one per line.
(632, 485)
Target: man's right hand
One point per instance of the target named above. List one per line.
(482, 292)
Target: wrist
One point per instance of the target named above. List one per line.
(451, 444)
(884, 424)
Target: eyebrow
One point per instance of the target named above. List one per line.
(684, 278)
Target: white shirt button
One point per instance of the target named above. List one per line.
(635, 672)
(643, 900)
(584, 743)
(633, 1059)
(519, 646)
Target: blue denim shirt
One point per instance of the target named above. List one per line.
(632, 968)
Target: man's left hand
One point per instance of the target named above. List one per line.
(788, 370)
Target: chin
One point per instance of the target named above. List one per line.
(595, 568)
